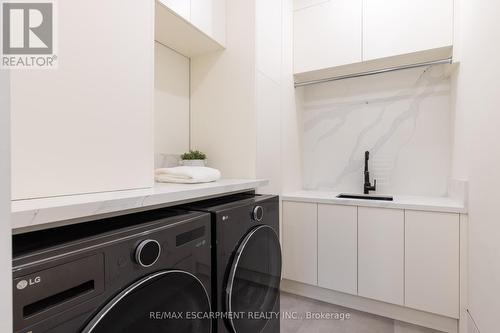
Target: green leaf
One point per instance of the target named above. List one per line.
(194, 155)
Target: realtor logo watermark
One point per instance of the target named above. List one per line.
(28, 34)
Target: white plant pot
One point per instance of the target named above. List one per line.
(201, 163)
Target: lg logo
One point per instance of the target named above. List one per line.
(27, 28)
(29, 282)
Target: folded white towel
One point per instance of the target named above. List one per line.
(187, 175)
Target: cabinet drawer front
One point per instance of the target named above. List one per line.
(381, 254)
(432, 251)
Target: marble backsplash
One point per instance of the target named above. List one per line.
(164, 160)
(403, 118)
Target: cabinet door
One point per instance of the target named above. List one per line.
(181, 7)
(87, 126)
(210, 17)
(327, 34)
(300, 241)
(381, 254)
(432, 262)
(201, 15)
(393, 27)
(337, 248)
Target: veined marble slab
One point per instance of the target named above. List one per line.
(402, 118)
(433, 204)
(55, 211)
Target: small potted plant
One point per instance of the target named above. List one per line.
(194, 158)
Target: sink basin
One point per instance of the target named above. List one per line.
(365, 197)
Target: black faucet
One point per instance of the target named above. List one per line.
(368, 187)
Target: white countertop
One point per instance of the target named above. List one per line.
(434, 204)
(37, 213)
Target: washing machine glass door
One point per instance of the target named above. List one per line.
(166, 301)
(252, 289)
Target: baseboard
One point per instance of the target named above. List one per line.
(392, 311)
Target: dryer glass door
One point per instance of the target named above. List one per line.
(161, 302)
(252, 289)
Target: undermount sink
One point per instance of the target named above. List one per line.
(365, 197)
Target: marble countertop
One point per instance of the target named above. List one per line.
(41, 213)
(434, 204)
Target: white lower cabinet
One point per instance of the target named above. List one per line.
(337, 248)
(381, 254)
(432, 251)
(404, 257)
(300, 225)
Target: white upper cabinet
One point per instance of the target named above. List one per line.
(87, 126)
(209, 17)
(394, 27)
(180, 7)
(327, 34)
(201, 15)
(341, 37)
(191, 27)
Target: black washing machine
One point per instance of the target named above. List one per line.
(146, 272)
(246, 262)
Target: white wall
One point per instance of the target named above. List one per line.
(402, 118)
(87, 126)
(5, 231)
(477, 137)
(171, 122)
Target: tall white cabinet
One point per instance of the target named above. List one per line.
(87, 126)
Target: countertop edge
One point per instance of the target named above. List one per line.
(36, 214)
(310, 198)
